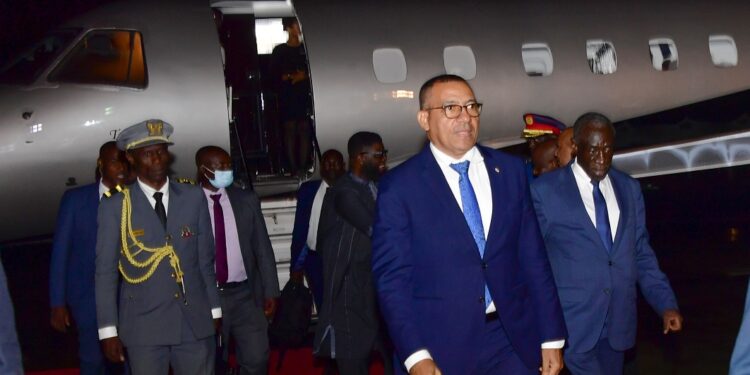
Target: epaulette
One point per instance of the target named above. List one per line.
(113, 191)
(184, 180)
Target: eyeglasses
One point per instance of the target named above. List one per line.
(376, 154)
(454, 110)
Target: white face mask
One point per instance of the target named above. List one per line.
(221, 179)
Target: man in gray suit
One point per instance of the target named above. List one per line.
(245, 264)
(158, 234)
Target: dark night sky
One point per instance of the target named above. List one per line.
(23, 21)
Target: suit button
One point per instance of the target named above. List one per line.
(172, 275)
(610, 263)
(607, 291)
(176, 295)
(481, 300)
(484, 265)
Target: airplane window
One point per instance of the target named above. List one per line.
(537, 59)
(459, 60)
(389, 65)
(602, 56)
(663, 53)
(106, 57)
(26, 67)
(723, 50)
(269, 33)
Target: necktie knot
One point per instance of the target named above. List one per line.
(595, 183)
(462, 168)
(158, 196)
(216, 197)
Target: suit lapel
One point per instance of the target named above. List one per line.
(176, 207)
(497, 186)
(619, 188)
(571, 197)
(435, 179)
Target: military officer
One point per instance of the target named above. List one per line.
(155, 244)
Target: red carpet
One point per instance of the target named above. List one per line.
(296, 362)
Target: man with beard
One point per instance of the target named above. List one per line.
(71, 281)
(158, 235)
(348, 323)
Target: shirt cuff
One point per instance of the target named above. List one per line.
(415, 358)
(216, 312)
(107, 332)
(557, 344)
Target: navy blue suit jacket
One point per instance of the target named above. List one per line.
(305, 197)
(594, 284)
(429, 275)
(71, 278)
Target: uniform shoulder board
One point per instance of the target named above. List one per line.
(184, 180)
(112, 192)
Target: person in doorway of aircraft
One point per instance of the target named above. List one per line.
(537, 130)
(462, 276)
(565, 147)
(593, 221)
(289, 67)
(71, 280)
(155, 282)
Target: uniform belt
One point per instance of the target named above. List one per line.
(232, 285)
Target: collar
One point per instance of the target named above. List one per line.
(358, 179)
(149, 191)
(102, 188)
(209, 192)
(473, 156)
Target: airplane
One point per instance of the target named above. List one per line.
(72, 91)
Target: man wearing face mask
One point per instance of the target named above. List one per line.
(245, 263)
(348, 322)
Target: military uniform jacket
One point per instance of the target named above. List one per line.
(151, 312)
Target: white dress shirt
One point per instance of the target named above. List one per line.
(312, 231)
(480, 181)
(148, 191)
(102, 189)
(586, 189)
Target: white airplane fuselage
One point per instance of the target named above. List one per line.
(186, 85)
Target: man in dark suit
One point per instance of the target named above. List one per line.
(245, 263)
(347, 327)
(462, 276)
(306, 218)
(593, 222)
(158, 235)
(71, 281)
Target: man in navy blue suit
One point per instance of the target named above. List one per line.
(306, 218)
(593, 222)
(71, 281)
(463, 280)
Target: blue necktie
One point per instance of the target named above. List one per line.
(472, 214)
(602, 217)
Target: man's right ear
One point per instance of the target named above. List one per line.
(422, 119)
